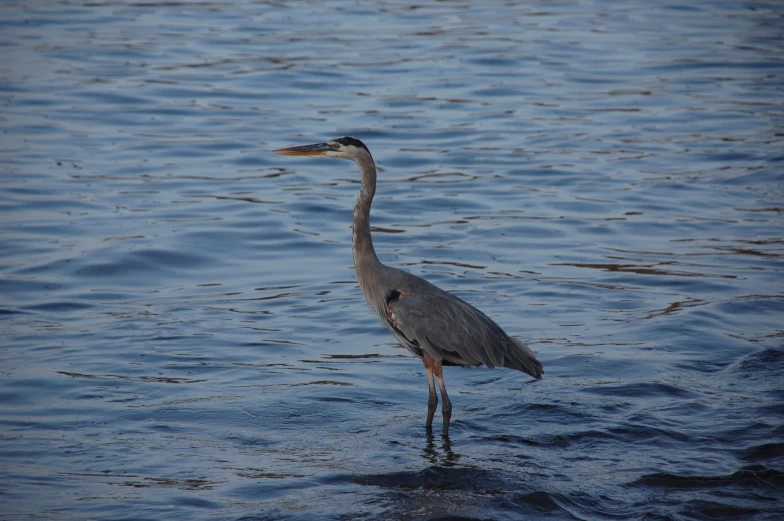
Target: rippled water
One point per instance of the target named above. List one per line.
(182, 333)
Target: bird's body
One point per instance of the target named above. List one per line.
(434, 325)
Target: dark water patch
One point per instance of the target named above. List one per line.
(643, 390)
(766, 452)
(761, 363)
(631, 433)
(182, 484)
(651, 269)
(139, 378)
(703, 365)
(756, 477)
(60, 307)
(437, 478)
(555, 442)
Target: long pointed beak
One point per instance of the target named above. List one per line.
(308, 150)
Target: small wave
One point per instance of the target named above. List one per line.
(756, 476)
(642, 390)
(764, 452)
(761, 361)
(437, 478)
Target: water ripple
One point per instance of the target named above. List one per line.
(183, 335)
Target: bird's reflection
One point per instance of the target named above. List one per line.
(442, 455)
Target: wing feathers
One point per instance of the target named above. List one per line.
(449, 329)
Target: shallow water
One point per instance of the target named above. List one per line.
(183, 336)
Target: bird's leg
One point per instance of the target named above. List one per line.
(432, 400)
(446, 407)
(434, 368)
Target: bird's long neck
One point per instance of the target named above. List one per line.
(365, 260)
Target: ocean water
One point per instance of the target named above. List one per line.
(182, 335)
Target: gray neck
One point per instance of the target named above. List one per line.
(366, 262)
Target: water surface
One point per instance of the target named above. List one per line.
(182, 333)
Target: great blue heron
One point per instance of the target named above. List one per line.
(435, 326)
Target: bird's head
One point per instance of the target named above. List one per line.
(341, 148)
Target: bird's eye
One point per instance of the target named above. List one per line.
(336, 146)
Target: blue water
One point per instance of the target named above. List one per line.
(182, 333)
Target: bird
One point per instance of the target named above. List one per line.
(434, 325)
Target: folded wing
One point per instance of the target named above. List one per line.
(449, 329)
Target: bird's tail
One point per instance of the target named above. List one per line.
(520, 357)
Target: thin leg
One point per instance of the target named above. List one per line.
(446, 407)
(432, 400)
